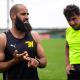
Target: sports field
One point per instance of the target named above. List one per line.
(55, 52)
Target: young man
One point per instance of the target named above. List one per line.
(72, 14)
(21, 52)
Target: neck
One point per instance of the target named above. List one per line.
(16, 33)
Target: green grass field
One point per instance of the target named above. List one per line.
(55, 53)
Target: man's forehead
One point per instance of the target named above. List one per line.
(22, 8)
(74, 16)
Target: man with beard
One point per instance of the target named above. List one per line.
(72, 14)
(21, 52)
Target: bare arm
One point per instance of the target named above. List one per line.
(4, 65)
(67, 53)
(68, 65)
(40, 52)
(41, 55)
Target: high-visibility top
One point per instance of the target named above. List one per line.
(73, 39)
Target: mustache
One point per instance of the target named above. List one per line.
(26, 21)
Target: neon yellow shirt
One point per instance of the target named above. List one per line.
(73, 39)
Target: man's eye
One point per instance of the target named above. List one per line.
(24, 13)
(73, 19)
(27, 13)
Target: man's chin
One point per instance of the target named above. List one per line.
(77, 28)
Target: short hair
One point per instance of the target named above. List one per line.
(71, 10)
(14, 8)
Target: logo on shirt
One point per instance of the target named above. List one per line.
(29, 43)
(13, 45)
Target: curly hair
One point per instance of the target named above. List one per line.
(71, 10)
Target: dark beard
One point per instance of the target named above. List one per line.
(78, 28)
(21, 26)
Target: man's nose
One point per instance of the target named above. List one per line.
(26, 18)
(72, 22)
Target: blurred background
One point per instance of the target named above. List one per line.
(46, 17)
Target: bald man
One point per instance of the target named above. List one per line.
(21, 52)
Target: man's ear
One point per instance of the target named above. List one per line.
(13, 16)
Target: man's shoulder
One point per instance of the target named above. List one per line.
(69, 28)
(2, 35)
(34, 33)
(36, 36)
(2, 39)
